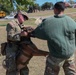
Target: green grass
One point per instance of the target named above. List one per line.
(36, 64)
(69, 10)
(31, 21)
(3, 23)
(49, 12)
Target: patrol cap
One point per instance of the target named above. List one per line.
(23, 13)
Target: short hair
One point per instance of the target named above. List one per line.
(60, 6)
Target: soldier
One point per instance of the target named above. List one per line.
(13, 37)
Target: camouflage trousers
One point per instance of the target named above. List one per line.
(53, 66)
(24, 71)
(11, 62)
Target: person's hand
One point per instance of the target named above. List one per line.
(24, 33)
(28, 29)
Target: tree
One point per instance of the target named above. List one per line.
(36, 7)
(7, 5)
(25, 3)
(71, 2)
(47, 5)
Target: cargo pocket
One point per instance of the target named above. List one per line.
(11, 63)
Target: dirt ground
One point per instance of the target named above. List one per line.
(36, 64)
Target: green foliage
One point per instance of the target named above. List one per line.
(23, 4)
(71, 2)
(47, 5)
(6, 5)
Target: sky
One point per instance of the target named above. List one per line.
(40, 2)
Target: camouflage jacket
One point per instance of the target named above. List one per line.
(13, 30)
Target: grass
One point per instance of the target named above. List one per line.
(49, 12)
(36, 64)
(28, 22)
(43, 14)
(31, 21)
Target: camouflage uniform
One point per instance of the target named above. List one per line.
(54, 64)
(13, 34)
